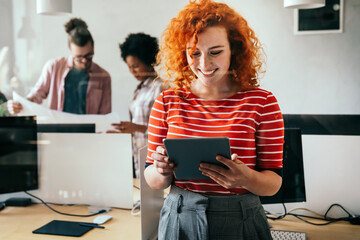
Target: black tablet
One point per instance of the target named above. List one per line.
(188, 153)
(63, 228)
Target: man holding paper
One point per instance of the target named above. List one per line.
(74, 84)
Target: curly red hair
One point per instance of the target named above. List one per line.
(247, 53)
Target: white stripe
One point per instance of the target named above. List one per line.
(217, 106)
(212, 106)
(244, 139)
(271, 130)
(250, 164)
(184, 135)
(153, 134)
(214, 119)
(243, 148)
(271, 152)
(196, 136)
(194, 190)
(219, 126)
(194, 130)
(269, 137)
(151, 150)
(151, 125)
(214, 100)
(249, 157)
(274, 144)
(159, 102)
(269, 113)
(270, 104)
(253, 90)
(213, 113)
(159, 119)
(272, 121)
(270, 160)
(156, 143)
(158, 110)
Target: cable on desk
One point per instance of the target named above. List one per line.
(324, 218)
(305, 209)
(280, 216)
(136, 207)
(67, 214)
(337, 205)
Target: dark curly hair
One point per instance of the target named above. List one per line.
(140, 45)
(78, 32)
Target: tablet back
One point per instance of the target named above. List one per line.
(188, 153)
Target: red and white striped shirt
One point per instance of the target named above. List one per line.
(251, 120)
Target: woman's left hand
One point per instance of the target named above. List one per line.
(237, 175)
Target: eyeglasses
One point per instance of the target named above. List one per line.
(88, 57)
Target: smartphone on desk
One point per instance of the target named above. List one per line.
(188, 153)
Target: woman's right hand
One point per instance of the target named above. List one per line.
(162, 163)
(14, 107)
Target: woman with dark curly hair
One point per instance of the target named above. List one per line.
(73, 84)
(139, 53)
(215, 60)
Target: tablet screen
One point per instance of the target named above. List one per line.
(188, 153)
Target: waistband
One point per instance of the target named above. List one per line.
(189, 199)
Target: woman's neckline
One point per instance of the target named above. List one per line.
(224, 91)
(227, 96)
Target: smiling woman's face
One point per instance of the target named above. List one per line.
(211, 60)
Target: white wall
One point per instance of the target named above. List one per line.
(109, 22)
(314, 74)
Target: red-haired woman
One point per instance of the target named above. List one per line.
(214, 59)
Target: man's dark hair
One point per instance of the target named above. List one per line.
(78, 32)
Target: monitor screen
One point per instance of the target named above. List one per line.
(293, 183)
(66, 128)
(18, 154)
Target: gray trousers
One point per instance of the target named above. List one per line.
(189, 215)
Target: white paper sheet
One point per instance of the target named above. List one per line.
(45, 115)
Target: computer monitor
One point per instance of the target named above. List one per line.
(66, 128)
(293, 182)
(83, 168)
(151, 202)
(18, 154)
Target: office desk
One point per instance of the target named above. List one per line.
(334, 231)
(17, 223)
